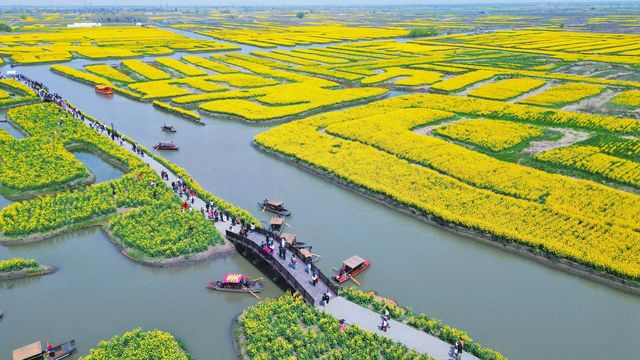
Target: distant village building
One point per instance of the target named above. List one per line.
(87, 24)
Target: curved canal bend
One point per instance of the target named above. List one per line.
(521, 308)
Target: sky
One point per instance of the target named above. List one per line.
(297, 3)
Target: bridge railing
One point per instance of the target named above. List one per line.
(279, 268)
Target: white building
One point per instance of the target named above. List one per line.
(79, 25)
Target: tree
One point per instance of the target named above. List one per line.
(5, 28)
(429, 31)
(300, 15)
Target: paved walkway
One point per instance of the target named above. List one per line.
(414, 339)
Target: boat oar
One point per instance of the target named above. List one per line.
(252, 293)
(260, 278)
(350, 277)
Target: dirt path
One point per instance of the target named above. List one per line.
(533, 92)
(569, 137)
(591, 104)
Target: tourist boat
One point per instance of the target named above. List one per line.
(351, 267)
(168, 128)
(235, 283)
(165, 145)
(276, 223)
(34, 351)
(104, 90)
(274, 206)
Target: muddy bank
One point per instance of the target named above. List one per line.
(40, 270)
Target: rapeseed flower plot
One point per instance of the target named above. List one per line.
(407, 77)
(592, 160)
(629, 98)
(461, 81)
(60, 44)
(80, 75)
(146, 70)
(109, 72)
(292, 100)
(138, 345)
(209, 64)
(270, 35)
(17, 264)
(561, 95)
(36, 163)
(506, 89)
(17, 87)
(495, 135)
(180, 67)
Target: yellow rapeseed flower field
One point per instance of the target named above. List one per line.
(494, 135)
(373, 147)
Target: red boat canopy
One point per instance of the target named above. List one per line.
(233, 278)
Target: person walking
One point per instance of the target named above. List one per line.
(458, 348)
(314, 278)
(384, 325)
(325, 299)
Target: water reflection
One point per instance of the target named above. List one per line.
(99, 167)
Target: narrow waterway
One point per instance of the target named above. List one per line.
(9, 128)
(522, 308)
(100, 168)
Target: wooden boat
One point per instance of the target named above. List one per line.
(34, 351)
(104, 90)
(276, 223)
(274, 206)
(168, 128)
(165, 145)
(236, 283)
(351, 267)
(289, 239)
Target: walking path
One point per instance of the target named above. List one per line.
(414, 339)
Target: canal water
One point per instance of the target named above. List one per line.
(100, 168)
(521, 308)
